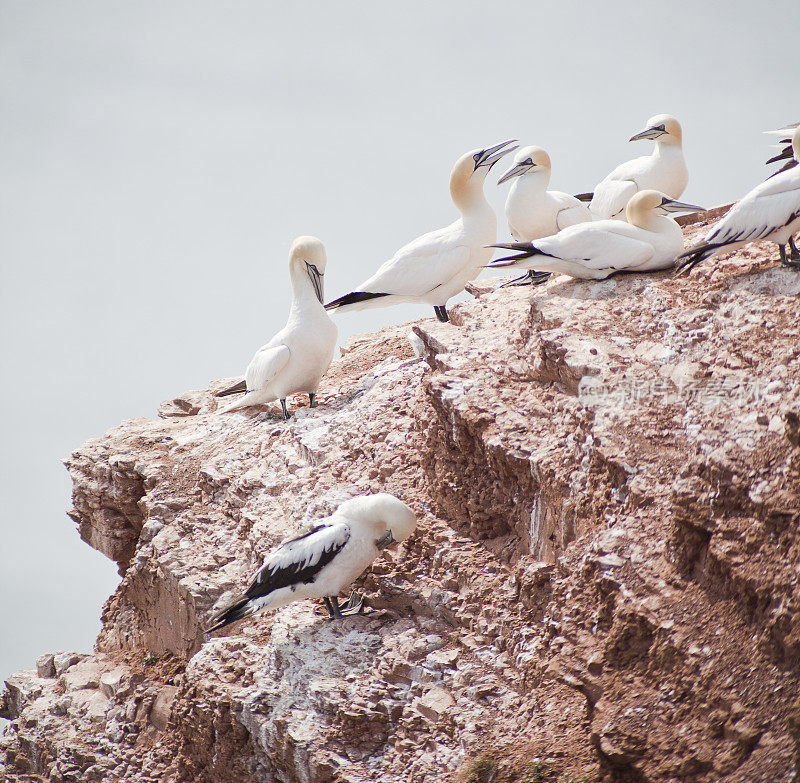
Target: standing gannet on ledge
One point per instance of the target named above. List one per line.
(665, 170)
(322, 562)
(532, 210)
(436, 266)
(297, 357)
(770, 211)
(647, 242)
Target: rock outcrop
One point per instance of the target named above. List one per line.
(603, 584)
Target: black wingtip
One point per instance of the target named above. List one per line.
(237, 611)
(788, 152)
(352, 298)
(584, 196)
(235, 389)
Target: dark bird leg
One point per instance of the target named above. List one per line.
(795, 253)
(332, 604)
(531, 277)
(795, 259)
(285, 412)
(441, 313)
(312, 402)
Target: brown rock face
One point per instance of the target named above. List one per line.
(603, 583)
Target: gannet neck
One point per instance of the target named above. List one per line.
(640, 211)
(533, 182)
(303, 294)
(468, 195)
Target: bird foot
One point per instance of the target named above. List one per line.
(794, 263)
(353, 605)
(529, 278)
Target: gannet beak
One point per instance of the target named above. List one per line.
(670, 205)
(316, 280)
(649, 133)
(516, 171)
(489, 157)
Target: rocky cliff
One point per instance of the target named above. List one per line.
(603, 584)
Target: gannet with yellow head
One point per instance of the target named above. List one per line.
(297, 357)
(532, 210)
(649, 240)
(664, 170)
(436, 266)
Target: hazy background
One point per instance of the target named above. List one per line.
(158, 158)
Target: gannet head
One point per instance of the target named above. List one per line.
(645, 203)
(384, 512)
(663, 128)
(472, 167)
(527, 160)
(307, 257)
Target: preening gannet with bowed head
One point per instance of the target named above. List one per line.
(770, 211)
(648, 241)
(324, 561)
(436, 266)
(297, 357)
(664, 170)
(532, 210)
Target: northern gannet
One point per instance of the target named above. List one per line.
(436, 266)
(297, 357)
(322, 562)
(786, 153)
(648, 241)
(532, 210)
(770, 211)
(665, 170)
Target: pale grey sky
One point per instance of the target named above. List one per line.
(157, 159)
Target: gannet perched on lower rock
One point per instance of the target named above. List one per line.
(297, 357)
(770, 211)
(322, 562)
(436, 266)
(532, 210)
(647, 242)
(665, 170)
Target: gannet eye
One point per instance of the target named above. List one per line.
(528, 162)
(476, 157)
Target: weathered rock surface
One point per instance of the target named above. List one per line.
(604, 581)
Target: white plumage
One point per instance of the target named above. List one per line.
(324, 561)
(436, 266)
(648, 241)
(664, 170)
(770, 211)
(532, 210)
(297, 357)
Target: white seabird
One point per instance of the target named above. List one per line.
(664, 170)
(770, 211)
(297, 357)
(322, 562)
(532, 210)
(786, 152)
(436, 266)
(647, 242)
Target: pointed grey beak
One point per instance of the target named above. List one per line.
(489, 157)
(516, 171)
(649, 133)
(670, 205)
(316, 280)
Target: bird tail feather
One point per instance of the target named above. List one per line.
(690, 258)
(353, 298)
(238, 611)
(584, 196)
(524, 250)
(237, 388)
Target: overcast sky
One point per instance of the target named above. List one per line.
(157, 159)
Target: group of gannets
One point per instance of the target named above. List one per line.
(555, 232)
